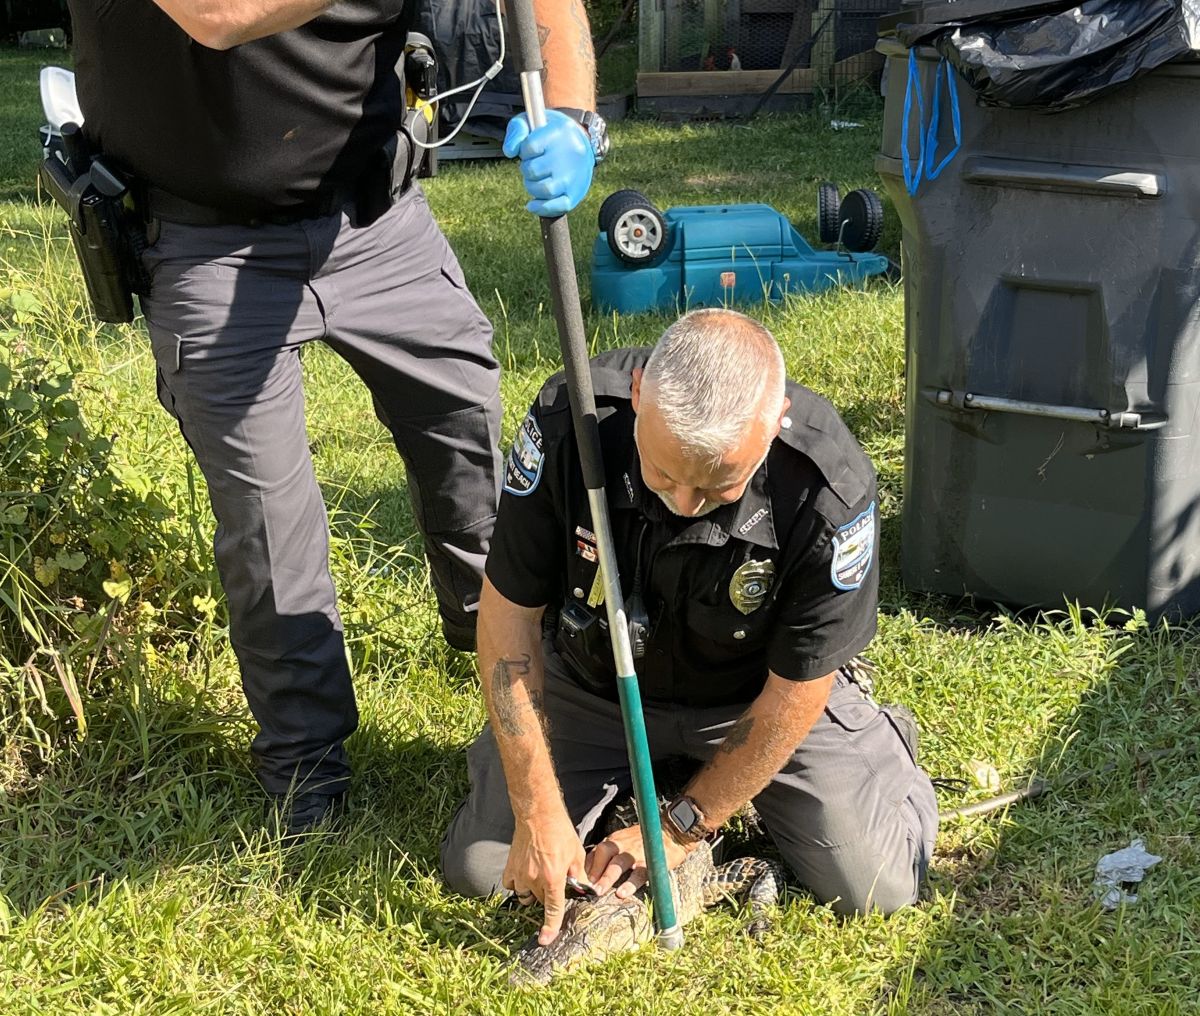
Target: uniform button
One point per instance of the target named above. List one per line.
(786, 423)
(740, 633)
(578, 593)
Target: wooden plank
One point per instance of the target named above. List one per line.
(713, 15)
(650, 26)
(722, 82)
(798, 36)
(857, 67)
(824, 21)
(717, 107)
(673, 17)
(771, 6)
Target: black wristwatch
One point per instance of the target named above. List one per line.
(594, 126)
(684, 821)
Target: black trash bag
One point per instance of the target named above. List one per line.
(1058, 55)
(466, 38)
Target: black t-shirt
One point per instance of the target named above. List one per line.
(252, 130)
(785, 579)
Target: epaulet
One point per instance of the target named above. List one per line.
(610, 379)
(818, 432)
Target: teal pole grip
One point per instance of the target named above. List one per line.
(648, 815)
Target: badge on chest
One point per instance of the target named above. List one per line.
(750, 584)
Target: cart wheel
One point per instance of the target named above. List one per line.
(604, 219)
(828, 212)
(637, 232)
(862, 220)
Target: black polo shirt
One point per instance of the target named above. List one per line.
(253, 130)
(785, 579)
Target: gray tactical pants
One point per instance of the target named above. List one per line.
(229, 310)
(851, 813)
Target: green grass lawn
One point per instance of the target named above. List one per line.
(132, 875)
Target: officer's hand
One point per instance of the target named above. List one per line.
(622, 852)
(544, 851)
(556, 161)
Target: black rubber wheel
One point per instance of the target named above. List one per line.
(604, 219)
(862, 220)
(829, 205)
(637, 231)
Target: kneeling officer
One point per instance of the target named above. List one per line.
(745, 525)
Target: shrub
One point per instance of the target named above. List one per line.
(89, 551)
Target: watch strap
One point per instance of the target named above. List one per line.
(594, 127)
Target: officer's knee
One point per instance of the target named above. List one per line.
(860, 878)
(473, 869)
(887, 894)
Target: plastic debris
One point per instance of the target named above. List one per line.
(1118, 874)
(844, 125)
(984, 775)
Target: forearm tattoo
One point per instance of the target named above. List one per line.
(738, 735)
(543, 35)
(505, 706)
(583, 40)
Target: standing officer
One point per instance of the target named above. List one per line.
(745, 525)
(265, 140)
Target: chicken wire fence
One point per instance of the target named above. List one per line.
(835, 38)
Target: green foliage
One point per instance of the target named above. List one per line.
(602, 14)
(87, 545)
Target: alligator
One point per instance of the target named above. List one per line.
(596, 928)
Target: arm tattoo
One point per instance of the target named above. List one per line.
(583, 40)
(543, 35)
(507, 713)
(738, 735)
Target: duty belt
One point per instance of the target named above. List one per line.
(168, 207)
(389, 172)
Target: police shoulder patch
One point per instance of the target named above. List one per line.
(524, 468)
(853, 551)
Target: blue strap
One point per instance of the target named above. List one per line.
(912, 179)
(932, 172)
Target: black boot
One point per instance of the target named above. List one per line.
(297, 815)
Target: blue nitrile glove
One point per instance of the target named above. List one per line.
(556, 161)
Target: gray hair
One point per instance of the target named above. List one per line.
(713, 374)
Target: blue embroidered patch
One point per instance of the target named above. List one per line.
(524, 468)
(853, 551)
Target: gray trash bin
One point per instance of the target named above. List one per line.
(1052, 285)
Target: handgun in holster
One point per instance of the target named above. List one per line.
(105, 227)
(391, 170)
(420, 99)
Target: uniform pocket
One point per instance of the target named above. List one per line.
(728, 631)
(868, 729)
(852, 715)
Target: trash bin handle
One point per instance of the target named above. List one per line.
(1113, 420)
(927, 133)
(932, 172)
(912, 179)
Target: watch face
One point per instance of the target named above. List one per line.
(683, 815)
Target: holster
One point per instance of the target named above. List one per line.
(389, 173)
(106, 230)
